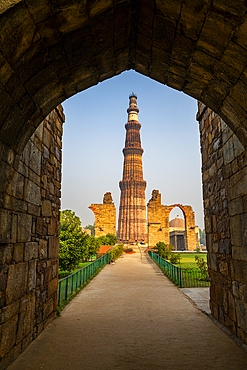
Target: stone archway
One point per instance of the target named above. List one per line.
(52, 50)
(189, 217)
(158, 222)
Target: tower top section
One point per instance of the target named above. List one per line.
(133, 95)
(132, 110)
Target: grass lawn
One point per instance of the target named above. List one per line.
(62, 274)
(188, 260)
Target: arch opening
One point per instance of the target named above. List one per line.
(177, 228)
(53, 48)
(68, 48)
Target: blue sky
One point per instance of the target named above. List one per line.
(94, 136)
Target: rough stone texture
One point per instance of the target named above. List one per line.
(132, 219)
(16, 281)
(105, 216)
(158, 222)
(224, 169)
(197, 47)
(29, 238)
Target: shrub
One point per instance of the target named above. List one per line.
(202, 265)
(116, 252)
(175, 258)
(112, 239)
(108, 239)
(91, 246)
(164, 250)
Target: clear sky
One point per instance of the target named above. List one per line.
(94, 136)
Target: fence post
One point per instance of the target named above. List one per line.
(66, 289)
(59, 291)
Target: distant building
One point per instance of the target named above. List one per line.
(197, 231)
(177, 224)
(87, 231)
(177, 233)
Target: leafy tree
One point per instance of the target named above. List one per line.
(108, 239)
(202, 265)
(116, 252)
(112, 239)
(92, 245)
(175, 258)
(164, 250)
(75, 245)
(102, 240)
(72, 240)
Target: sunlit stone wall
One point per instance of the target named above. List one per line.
(224, 175)
(29, 238)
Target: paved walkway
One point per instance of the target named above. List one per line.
(200, 296)
(131, 317)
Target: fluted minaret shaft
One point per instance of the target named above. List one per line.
(132, 221)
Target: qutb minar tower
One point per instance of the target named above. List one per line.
(132, 221)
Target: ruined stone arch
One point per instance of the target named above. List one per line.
(189, 218)
(181, 207)
(158, 222)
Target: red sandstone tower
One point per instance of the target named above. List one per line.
(132, 221)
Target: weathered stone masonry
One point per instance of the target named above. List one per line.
(132, 219)
(224, 175)
(29, 238)
(105, 216)
(158, 222)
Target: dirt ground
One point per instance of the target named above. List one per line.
(131, 317)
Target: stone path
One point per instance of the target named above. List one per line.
(131, 317)
(200, 296)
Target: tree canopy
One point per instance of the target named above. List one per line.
(76, 245)
(72, 240)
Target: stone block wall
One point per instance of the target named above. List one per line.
(190, 231)
(224, 175)
(105, 216)
(158, 223)
(29, 237)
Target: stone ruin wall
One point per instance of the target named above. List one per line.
(29, 239)
(158, 222)
(105, 216)
(224, 175)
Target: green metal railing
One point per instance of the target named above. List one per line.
(181, 276)
(68, 285)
